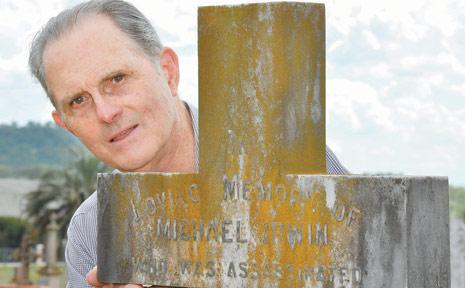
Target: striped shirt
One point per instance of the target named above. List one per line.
(81, 247)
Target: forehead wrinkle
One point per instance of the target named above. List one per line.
(106, 62)
(86, 36)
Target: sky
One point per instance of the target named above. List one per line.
(395, 71)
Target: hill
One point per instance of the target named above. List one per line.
(24, 149)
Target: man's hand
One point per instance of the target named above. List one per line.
(91, 278)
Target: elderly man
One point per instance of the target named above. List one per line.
(115, 87)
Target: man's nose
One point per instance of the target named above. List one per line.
(107, 108)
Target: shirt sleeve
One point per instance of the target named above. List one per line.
(80, 253)
(333, 166)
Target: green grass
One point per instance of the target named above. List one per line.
(7, 271)
(6, 274)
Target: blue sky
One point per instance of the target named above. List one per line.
(395, 74)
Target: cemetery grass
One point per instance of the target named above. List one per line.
(6, 273)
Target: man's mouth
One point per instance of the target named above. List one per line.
(123, 134)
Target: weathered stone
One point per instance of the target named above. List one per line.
(251, 217)
(322, 231)
(51, 272)
(262, 86)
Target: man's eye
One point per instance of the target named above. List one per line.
(78, 101)
(117, 79)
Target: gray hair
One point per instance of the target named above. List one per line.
(130, 20)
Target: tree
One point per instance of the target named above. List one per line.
(61, 191)
(11, 231)
(457, 201)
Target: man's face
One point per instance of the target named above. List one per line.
(111, 95)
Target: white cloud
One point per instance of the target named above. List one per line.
(410, 62)
(458, 88)
(445, 16)
(452, 61)
(188, 84)
(395, 97)
(335, 45)
(428, 113)
(371, 39)
(358, 103)
(381, 70)
(20, 20)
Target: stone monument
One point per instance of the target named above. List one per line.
(260, 212)
(51, 271)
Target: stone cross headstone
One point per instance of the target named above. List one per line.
(254, 215)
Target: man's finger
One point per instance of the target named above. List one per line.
(91, 278)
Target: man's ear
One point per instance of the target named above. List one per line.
(170, 66)
(58, 120)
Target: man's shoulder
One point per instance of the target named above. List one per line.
(81, 247)
(82, 230)
(86, 211)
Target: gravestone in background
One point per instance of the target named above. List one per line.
(254, 216)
